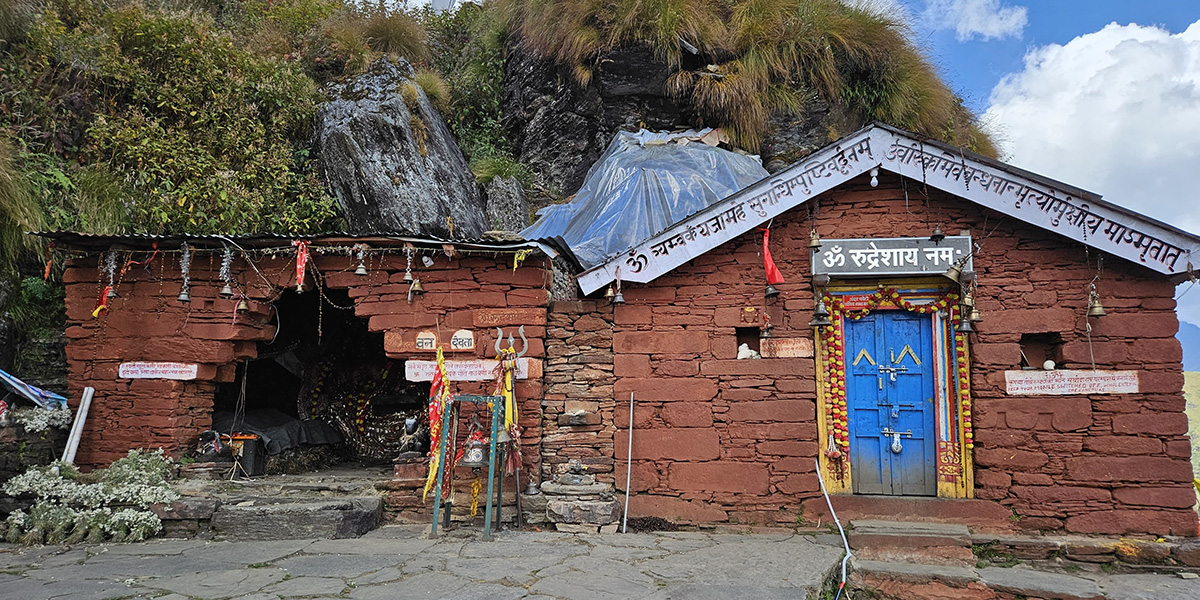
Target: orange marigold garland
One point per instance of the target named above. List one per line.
(834, 383)
(834, 352)
(964, 387)
(887, 296)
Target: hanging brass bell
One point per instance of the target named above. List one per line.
(226, 291)
(820, 316)
(361, 271)
(954, 273)
(502, 436)
(416, 288)
(474, 454)
(770, 292)
(243, 306)
(968, 300)
(112, 292)
(184, 296)
(975, 317)
(610, 293)
(408, 275)
(618, 298)
(964, 326)
(1095, 308)
(814, 241)
(937, 236)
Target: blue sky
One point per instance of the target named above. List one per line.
(1100, 94)
(974, 66)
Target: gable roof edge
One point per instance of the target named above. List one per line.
(1040, 201)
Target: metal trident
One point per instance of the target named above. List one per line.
(524, 341)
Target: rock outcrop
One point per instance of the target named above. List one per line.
(507, 207)
(392, 164)
(559, 128)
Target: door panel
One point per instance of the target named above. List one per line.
(892, 396)
(864, 401)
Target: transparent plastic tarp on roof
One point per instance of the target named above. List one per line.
(642, 184)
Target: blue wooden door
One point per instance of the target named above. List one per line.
(889, 395)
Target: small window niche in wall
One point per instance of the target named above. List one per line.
(1041, 350)
(748, 342)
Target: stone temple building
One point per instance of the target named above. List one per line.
(943, 334)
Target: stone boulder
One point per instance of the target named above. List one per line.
(507, 207)
(394, 166)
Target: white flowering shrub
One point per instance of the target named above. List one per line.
(106, 504)
(37, 419)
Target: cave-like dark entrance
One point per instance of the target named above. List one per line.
(323, 390)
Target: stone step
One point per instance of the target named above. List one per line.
(979, 515)
(277, 519)
(916, 574)
(910, 542)
(906, 581)
(908, 534)
(1039, 584)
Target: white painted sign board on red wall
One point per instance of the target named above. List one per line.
(461, 370)
(1068, 382)
(158, 370)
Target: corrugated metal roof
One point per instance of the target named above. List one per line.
(147, 241)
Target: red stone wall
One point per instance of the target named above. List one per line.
(147, 323)
(719, 439)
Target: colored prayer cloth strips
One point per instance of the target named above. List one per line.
(301, 262)
(439, 397)
(773, 274)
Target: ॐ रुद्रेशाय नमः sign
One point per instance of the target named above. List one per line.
(891, 256)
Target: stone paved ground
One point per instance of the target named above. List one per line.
(395, 562)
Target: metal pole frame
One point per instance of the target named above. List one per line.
(437, 494)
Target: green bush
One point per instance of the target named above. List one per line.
(467, 48)
(192, 132)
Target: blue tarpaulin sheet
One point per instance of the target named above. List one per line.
(643, 183)
(40, 397)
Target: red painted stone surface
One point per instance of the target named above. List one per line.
(146, 323)
(1054, 462)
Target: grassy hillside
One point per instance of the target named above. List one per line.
(737, 62)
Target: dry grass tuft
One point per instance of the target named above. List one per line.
(759, 57)
(397, 34)
(435, 89)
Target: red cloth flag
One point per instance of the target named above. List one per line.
(773, 274)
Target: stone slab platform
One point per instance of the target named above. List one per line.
(398, 562)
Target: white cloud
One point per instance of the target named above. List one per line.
(987, 19)
(1116, 112)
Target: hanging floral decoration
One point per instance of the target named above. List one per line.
(834, 353)
(834, 382)
(887, 296)
(964, 387)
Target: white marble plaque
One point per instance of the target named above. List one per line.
(461, 370)
(158, 370)
(1068, 382)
